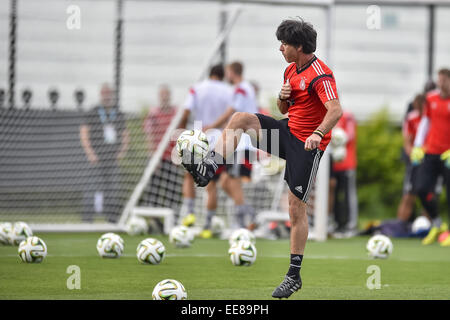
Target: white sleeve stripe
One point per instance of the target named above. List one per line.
(331, 89)
(326, 90)
(319, 67)
(316, 69)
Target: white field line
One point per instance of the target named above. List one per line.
(276, 256)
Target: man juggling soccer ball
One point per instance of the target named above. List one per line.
(309, 95)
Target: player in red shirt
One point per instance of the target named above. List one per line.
(155, 126)
(432, 144)
(409, 129)
(309, 95)
(343, 180)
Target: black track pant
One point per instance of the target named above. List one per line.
(429, 171)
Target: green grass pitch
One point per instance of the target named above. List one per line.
(336, 269)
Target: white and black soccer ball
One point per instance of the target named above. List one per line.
(242, 253)
(169, 289)
(32, 250)
(110, 245)
(421, 225)
(242, 234)
(136, 226)
(5, 232)
(181, 237)
(217, 225)
(379, 246)
(150, 251)
(195, 141)
(20, 232)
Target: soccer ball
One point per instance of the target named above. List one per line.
(379, 246)
(421, 225)
(217, 225)
(169, 289)
(110, 245)
(20, 232)
(181, 237)
(242, 253)
(339, 137)
(242, 234)
(5, 232)
(338, 153)
(136, 225)
(150, 251)
(32, 250)
(194, 141)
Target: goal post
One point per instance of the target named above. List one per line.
(319, 200)
(48, 176)
(132, 203)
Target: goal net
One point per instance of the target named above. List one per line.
(88, 164)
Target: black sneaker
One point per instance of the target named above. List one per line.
(201, 170)
(287, 287)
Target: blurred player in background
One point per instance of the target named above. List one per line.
(155, 125)
(309, 94)
(105, 139)
(409, 131)
(343, 179)
(244, 100)
(432, 149)
(208, 102)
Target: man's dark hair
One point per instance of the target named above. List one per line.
(298, 33)
(217, 71)
(429, 85)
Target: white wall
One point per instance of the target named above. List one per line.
(167, 42)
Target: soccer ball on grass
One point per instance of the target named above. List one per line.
(242, 234)
(32, 250)
(242, 253)
(181, 237)
(150, 251)
(5, 232)
(136, 226)
(110, 245)
(20, 232)
(169, 289)
(380, 246)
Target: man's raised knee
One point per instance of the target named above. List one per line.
(240, 120)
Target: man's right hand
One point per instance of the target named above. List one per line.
(92, 157)
(285, 92)
(417, 155)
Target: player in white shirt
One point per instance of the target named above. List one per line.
(244, 100)
(207, 101)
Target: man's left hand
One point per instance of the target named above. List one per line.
(312, 142)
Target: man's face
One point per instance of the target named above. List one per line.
(164, 96)
(107, 96)
(229, 75)
(289, 52)
(443, 83)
